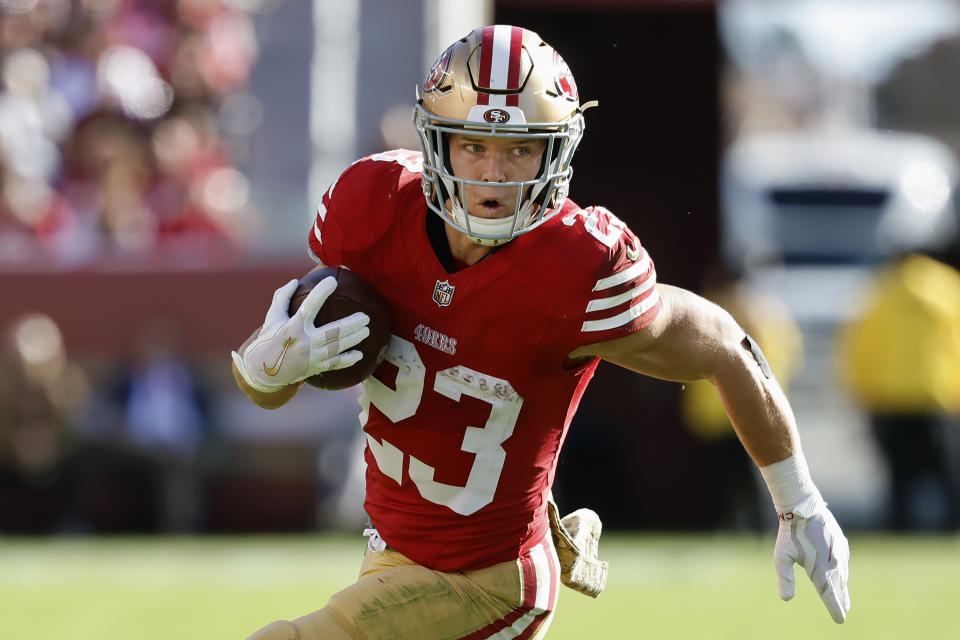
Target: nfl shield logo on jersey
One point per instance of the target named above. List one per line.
(443, 293)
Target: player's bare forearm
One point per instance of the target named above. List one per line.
(260, 398)
(693, 338)
(758, 409)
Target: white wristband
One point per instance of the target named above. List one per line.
(789, 482)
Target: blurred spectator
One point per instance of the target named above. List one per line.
(200, 193)
(137, 465)
(166, 416)
(108, 170)
(39, 389)
(900, 359)
(110, 127)
(734, 494)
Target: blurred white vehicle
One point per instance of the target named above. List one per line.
(832, 202)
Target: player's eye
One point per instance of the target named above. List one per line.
(526, 149)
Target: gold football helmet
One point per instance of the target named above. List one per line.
(499, 81)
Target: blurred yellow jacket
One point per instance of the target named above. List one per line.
(902, 355)
(768, 322)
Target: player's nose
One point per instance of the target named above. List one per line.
(492, 169)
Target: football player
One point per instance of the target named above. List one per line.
(504, 295)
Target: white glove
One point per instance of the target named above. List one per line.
(576, 538)
(810, 536)
(289, 349)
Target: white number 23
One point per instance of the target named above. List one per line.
(485, 442)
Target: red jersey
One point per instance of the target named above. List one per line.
(465, 418)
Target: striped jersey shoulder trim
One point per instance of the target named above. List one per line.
(625, 317)
(641, 297)
(636, 269)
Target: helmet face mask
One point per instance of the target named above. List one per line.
(501, 82)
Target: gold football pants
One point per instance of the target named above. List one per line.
(398, 599)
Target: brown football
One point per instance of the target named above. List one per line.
(351, 295)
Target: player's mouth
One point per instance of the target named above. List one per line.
(491, 206)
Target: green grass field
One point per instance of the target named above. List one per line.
(660, 586)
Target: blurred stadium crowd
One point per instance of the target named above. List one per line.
(121, 122)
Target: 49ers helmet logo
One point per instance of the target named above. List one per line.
(438, 71)
(563, 79)
(497, 116)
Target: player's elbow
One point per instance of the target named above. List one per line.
(728, 357)
(269, 402)
(264, 400)
(739, 360)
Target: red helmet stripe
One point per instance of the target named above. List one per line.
(486, 62)
(513, 75)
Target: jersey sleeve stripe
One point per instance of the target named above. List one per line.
(599, 304)
(313, 255)
(314, 243)
(640, 267)
(625, 317)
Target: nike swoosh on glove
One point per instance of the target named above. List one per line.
(289, 348)
(810, 536)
